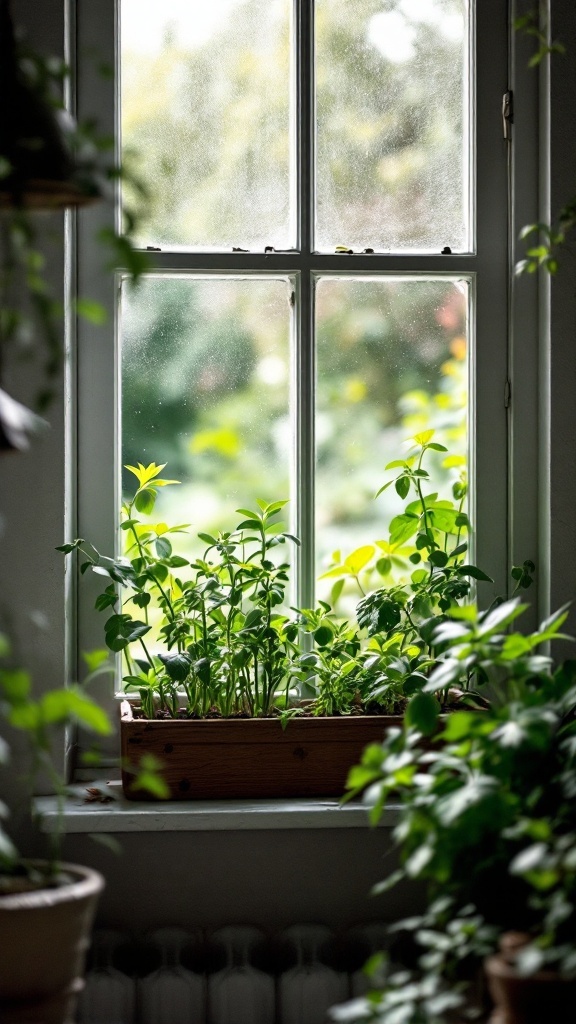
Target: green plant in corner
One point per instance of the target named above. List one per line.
(486, 815)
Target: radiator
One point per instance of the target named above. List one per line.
(235, 975)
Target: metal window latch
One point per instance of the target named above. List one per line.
(507, 114)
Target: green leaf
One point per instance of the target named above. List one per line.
(323, 635)
(438, 558)
(423, 437)
(8, 852)
(383, 488)
(419, 576)
(458, 726)
(15, 685)
(105, 600)
(145, 501)
(248, 514)
(501, 616)
(275, 506)
(475, 573)
(529, 859)
(248, 524)
(163, 547)
(387, 883)
(422, 712)
(402, 486)
(60, 706)
(177, 666)
(148, 777)
(107, 840)
(359, 558)
(177, 562)
(94, 659)
(474, 792)
(417, 861)
(145, 473)
(207, 538)
(403, 527)
(25, 716)
(92, 311)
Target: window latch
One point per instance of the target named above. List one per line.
(507, 114)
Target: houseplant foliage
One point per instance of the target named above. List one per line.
(46, 906)
(38, 720)
(213, 634)
(486, 818)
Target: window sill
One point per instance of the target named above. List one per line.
(120, 815)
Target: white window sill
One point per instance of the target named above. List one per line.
(120, 815)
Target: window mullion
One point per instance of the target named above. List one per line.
(304, 359)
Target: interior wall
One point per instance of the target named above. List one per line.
(32, 483)
(265, 878)
(561, 385)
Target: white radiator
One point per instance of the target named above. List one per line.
(236, 975)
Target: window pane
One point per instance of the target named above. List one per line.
(391, 362)
(205, 373)
(206, 102)
(392, 124)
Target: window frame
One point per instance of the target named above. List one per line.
(93, 435)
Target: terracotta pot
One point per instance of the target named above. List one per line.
(210, 759)
(538, 998)
(44, 936)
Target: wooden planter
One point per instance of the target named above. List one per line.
(213, 759)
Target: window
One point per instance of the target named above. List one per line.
(327, 228)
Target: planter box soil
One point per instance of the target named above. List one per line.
(214, 759)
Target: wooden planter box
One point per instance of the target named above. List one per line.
(213, 759)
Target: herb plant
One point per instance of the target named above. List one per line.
(427, 547)
(228, 642)
(212, 635)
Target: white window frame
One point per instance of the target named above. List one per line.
(499, 451)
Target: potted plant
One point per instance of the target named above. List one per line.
(217, 658)
(487, 824)
(46, 906)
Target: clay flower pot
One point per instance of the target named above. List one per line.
(44, 935)
(527, 999)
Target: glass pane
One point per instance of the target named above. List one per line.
(206, 109)
(393, 132)
(391, 363)
(205, 374)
